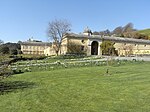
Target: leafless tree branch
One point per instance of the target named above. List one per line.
(56, 30)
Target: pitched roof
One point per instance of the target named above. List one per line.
(36, 43)
(108, 38)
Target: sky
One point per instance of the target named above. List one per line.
(23, 19)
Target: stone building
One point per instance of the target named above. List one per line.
(89, 44)
(34, 47)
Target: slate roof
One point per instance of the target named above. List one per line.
(36, 43)
(108, 38)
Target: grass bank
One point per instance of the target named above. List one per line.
(86, 89)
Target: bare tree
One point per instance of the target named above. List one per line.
(128, 49)
(56, 30)
(96, 33)
(118, 31)
(105, 33)
(128, 28)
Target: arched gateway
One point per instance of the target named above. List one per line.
(94, 48)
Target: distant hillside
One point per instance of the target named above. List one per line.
(145, 32)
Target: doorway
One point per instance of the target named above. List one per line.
(94, 48)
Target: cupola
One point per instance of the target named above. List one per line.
(87, 31)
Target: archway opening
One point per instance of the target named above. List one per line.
(94, 48)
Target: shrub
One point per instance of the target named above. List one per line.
(5, 71)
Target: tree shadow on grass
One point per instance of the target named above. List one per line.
(12, 86)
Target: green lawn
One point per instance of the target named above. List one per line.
(85, 89)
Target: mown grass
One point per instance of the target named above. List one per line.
(86, 89)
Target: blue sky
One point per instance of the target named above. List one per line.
(22, 19)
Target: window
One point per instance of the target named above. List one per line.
(83, 41)
(82, 48)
